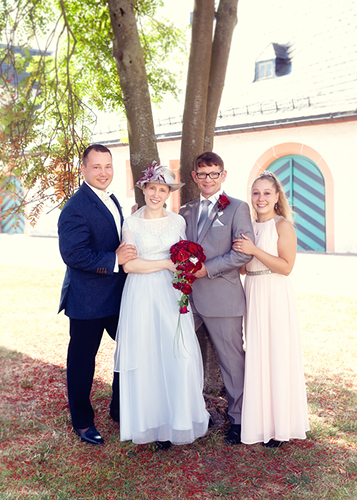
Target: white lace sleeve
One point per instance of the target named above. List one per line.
(182, 227)
(128, 231)
(179, 223)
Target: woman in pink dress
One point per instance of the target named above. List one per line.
(274, 400)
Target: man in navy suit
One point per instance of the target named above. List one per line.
(89, 230)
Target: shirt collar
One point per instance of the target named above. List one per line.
(214, 198)
(103, 195)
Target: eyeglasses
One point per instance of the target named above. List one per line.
(211, 175)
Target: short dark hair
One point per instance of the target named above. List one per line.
(208, 158)
(97, 147)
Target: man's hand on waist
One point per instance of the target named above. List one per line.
(125, 253)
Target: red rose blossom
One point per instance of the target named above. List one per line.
(186, 288)
(192, 247)
(188, 257)
(197, 267)
(182, 256)
(223, 202)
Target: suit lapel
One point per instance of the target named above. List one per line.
(100, 205)
(208, 223)
(195, 207)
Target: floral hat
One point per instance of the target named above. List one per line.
(160, 175)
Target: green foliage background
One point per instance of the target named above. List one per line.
(49, 99)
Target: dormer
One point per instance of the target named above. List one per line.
(273, 62)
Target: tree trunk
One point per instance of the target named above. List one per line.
(194, 116)
(129, 59)
(226, 21)
(205, 81)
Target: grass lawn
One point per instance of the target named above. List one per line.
(41, 458)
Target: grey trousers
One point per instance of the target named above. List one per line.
(226, 335)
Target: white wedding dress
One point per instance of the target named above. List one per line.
(160, 384)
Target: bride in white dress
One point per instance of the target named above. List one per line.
(160, 389)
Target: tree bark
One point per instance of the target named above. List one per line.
(194, 116)
(205, 81)
(226, 21)
(129, 59)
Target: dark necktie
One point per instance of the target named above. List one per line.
(203, 216)
(118, 207)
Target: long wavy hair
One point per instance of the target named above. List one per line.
(282, 206)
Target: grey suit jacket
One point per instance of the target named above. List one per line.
(220, 294)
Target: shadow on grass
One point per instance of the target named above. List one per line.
(333, 403)
(42, 458)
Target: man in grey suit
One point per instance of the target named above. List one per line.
(217, 300)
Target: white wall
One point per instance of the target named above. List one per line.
(335, 142)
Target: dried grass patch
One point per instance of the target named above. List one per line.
(41, 458)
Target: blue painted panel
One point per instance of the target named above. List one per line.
(304, 186)
(310, 198)
(308, 186)
(318, 219)
(303, 221)
(309, 203)
(11, 221)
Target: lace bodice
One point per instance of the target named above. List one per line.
(153, 238)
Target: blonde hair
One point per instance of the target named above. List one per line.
(282, 206)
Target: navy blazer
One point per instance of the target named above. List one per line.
(88, 238)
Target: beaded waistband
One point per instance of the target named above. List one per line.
(259, 273)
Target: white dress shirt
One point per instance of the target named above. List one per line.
(111, 206)
(213, 199)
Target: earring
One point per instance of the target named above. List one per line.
(276, 206)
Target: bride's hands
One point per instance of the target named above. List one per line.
(171, 266)
(243, 245)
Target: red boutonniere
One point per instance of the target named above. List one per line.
(223, 202)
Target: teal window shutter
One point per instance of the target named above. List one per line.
(304, 186)
(12, 222)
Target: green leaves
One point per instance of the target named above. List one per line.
(49, 95)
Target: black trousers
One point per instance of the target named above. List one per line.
(85, 338)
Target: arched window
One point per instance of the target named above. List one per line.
(304, 185)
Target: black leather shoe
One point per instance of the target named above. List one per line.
(114, 415)
(233, 434)
(210, 422)
(273, 443)
(163, 445)
(91, 436)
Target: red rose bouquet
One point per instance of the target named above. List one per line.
(188, 257)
